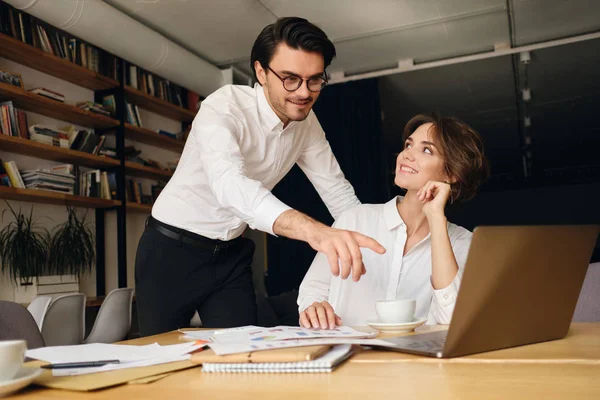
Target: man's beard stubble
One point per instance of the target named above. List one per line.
(281, 106)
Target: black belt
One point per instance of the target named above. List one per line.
(187, 237)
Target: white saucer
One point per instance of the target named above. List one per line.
(394, 327)
(24, 377)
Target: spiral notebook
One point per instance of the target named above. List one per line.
(326, 363)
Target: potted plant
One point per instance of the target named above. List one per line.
(72, 247)
(23, 250)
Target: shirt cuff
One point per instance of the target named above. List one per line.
(267, 212)
(305, 302)
(446, 296)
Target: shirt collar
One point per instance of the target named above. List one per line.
(391, 214)
(267, 114)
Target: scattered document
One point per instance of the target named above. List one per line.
(205, 335)
(280, 333)
(222, 349)
(128, 356)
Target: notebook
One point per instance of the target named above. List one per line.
(304, 353)
(326, 363)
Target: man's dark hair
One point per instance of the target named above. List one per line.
(297, 33)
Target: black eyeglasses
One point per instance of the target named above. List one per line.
(293, 82)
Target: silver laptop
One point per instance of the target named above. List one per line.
(520, 286)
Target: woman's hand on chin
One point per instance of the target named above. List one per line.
(434, 195)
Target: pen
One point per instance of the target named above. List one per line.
(80, 364)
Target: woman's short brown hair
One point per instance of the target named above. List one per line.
(462, 149)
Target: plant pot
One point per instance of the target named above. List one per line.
(57, 284)
(25, 292)
(54, 285)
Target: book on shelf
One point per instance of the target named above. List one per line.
(13, 122)
(193, 101)
(46, 179)
(68, 169)
(93, 107)
(84, 140)
(167, 133)
(53, 137)
(4, 178)
(34, 32)
(155, 86)
(133, 114)
(14, 176)
(11, 78)
(135, 193)
(50, 94)
(109, 103)
(93, 184)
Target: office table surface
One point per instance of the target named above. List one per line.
(567, 368)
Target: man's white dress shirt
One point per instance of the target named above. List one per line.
(237, 151)
(389, 276)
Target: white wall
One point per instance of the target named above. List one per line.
(54, 214)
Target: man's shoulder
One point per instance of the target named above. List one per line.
(230, 98)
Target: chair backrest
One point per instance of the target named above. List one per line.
(17, 323)
(64, 323)
(114, 318)
(38, 308)
(588, 305)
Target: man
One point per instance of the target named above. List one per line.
(242, 143)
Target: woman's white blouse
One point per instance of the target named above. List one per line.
(389, 276)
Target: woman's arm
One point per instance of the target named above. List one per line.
(443, 262)
(445, 272)
(313, 305)
(316, 283)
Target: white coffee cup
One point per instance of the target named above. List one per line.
(396, 311)
(12, 355)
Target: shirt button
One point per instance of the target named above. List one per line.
(446, 296)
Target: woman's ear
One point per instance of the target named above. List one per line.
(450, 180)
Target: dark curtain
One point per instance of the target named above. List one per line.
(350, 115)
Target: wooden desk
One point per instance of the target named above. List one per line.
(566, 369)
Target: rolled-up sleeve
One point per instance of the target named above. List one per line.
(322, 169)
(444, 300)
(222, 160)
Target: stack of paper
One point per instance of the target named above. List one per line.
(128, 356)
(252, 338)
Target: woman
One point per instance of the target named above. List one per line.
(442, 162)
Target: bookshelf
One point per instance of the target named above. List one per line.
(50, 64)
(44, 151)
(51, 108)
(47, 197)
(147, 136)
(143, 171)
(158, 106)
(33, 57)
(138, 208)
